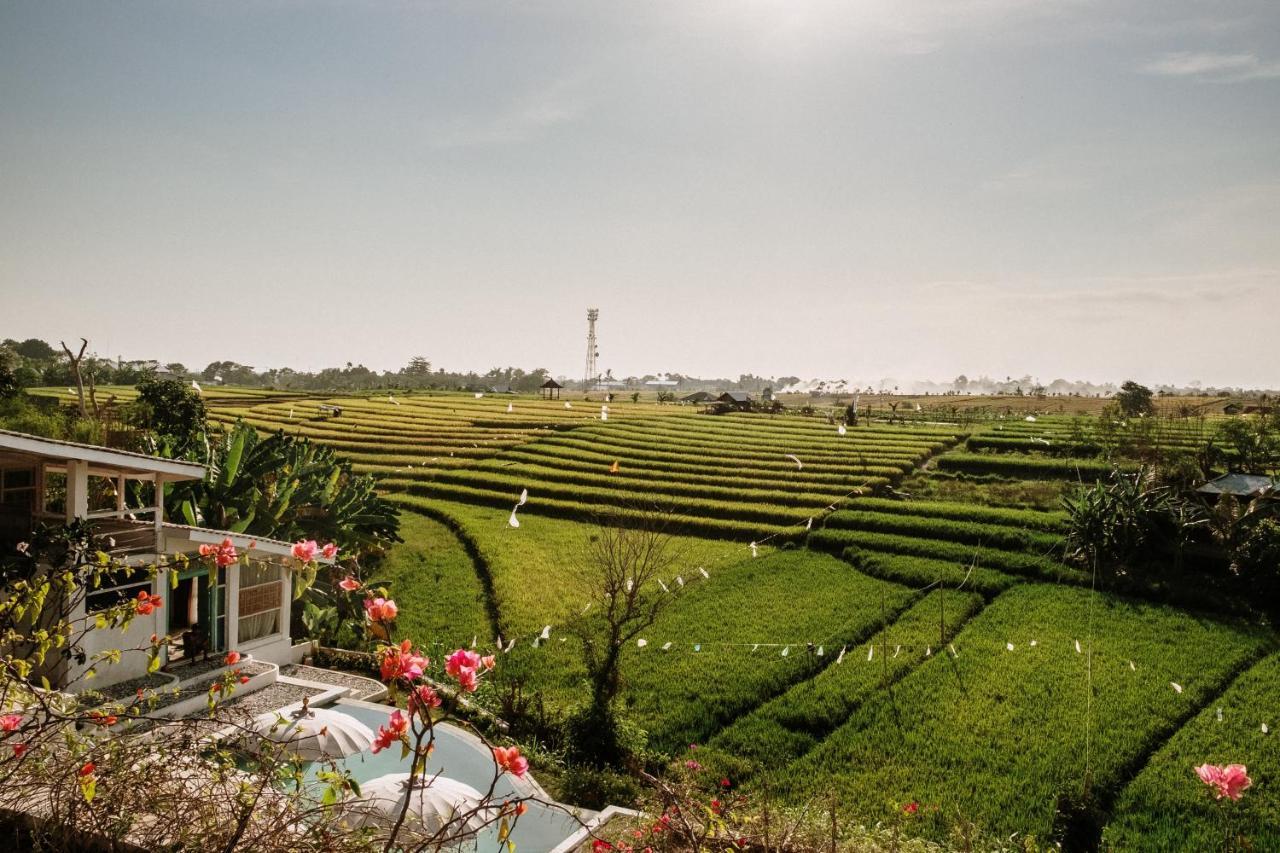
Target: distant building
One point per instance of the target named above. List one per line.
(736, 399)
(698, 397)
(551, 389)
(1240, 485)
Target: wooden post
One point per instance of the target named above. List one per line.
(942, 614)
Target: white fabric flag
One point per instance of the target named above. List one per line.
(1177, 688)
(641, 643)
(840, 657)
(524, 496)
(513, 521)
(704, 573)
(796, 459)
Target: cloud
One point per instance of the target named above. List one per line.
(1214, 67)
(519, 121)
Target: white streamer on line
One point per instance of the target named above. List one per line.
(796, 459)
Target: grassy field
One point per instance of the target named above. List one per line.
(930, 546)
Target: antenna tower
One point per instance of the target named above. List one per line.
(591, 375)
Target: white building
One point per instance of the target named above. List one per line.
(239, 607)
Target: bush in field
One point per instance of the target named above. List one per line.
(173, 412)
(1134, 399)
(1114, 524)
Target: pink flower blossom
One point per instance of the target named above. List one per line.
(692, 765)
(401, 662)
(349, 583)
(224, 554)
(305, 550)
(380, 609)
(87, 769)
(232, 658)
(147, 603)
(424, 698)
(329, 551)
(510, 760)
(468, 680)
(1230, 781)
(488, 662)
(20, 749)
(460, 660)
(10, 722)
(397, 726)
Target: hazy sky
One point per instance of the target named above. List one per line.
(849, 189)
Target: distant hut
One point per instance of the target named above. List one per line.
(698, 397)
(736, 400)
(551, 389)
(1240, 486)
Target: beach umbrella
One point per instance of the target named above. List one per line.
(434, 803)
(316, 734)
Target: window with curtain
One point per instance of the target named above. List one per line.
(261, 600)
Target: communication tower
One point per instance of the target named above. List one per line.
(592, 375)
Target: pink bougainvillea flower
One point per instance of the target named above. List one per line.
(468, 680)
(87, 769)
(147, 603)
(329, 551)
(232, 658)
(244, 679)
(305, 550)
(401, 662)
(1229, 781)
(600, 845)
(10, 722)
(692, 765)
(20, 749)
(380, 609)
(488, 662)
(226, 553)
(510, 760)
(349, 583)
(396, 727)
(911, 807)
(460, 660)
(208, 550)
(424, 698)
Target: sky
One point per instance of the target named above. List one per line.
(861, 189)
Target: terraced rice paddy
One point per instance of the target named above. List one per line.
(935, 592)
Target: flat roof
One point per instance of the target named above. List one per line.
(57, 450)
(207, 535)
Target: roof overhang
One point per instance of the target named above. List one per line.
(242, 541)
(102, 460)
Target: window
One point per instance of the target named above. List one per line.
(261, 600)
(116, 586)
(17, 489)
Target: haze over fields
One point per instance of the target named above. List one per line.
(1066, 189)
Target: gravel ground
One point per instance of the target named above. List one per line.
(361, 687)
(126, 690)
(187, 690)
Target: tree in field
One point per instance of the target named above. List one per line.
(75, 372)
(173, 411)
(623, 563)
(1134, 399)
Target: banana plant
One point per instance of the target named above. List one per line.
(287, 488)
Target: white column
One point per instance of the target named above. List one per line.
(286, 597)
(77, 489)
(160, 549)
(120, 495)
(232, 607)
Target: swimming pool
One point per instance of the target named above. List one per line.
(460, 755)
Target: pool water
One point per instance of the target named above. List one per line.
(463, 757)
